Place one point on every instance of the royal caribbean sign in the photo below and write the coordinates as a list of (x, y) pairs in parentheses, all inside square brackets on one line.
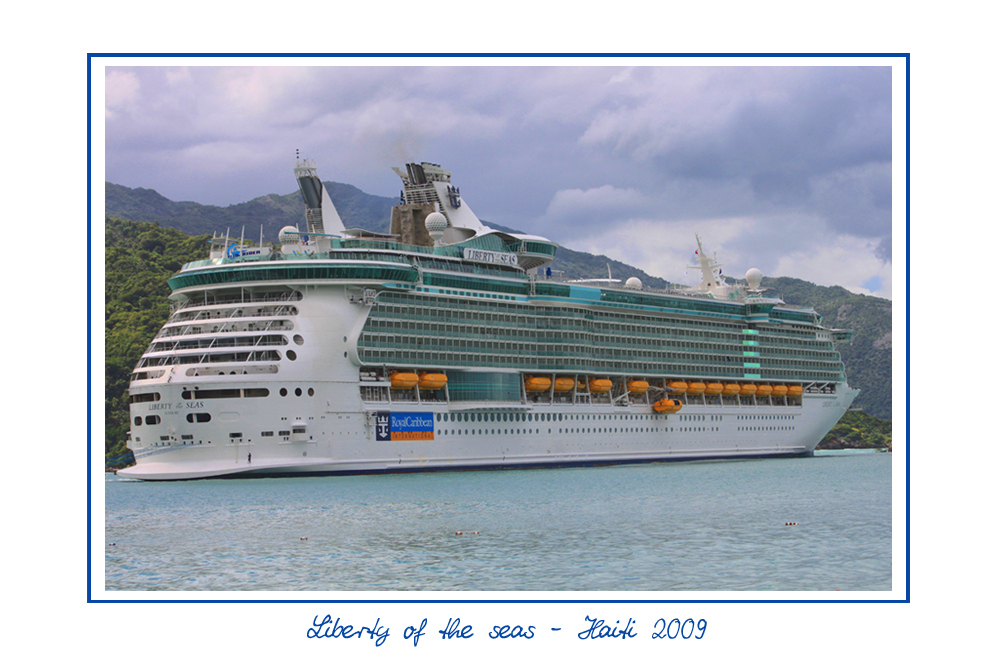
[(404, 426), (490, 256)]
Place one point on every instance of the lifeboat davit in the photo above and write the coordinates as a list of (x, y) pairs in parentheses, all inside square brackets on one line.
[(638, 387), (748, 390), (779, 390), (433, 380), (764, 390), (714, 388), (600, 386), (678, 387), (535, 384), (401, 380), (667, 405), (697, 388), (731, 389), (564, 385)]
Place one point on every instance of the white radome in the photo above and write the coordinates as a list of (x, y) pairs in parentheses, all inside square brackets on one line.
[(633, 283), (753, 278), (436, 222), (288, 234)]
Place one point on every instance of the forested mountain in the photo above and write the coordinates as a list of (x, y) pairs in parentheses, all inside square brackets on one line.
[(140, 256), (138, 259)]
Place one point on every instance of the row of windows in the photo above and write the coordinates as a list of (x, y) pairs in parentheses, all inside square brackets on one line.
[(214, 343), (295, 272), (438, 309), (194, 328), (535, 417), (224, 357), (635, 365), (213, 312), (487, 355), (382, 332), (428, 312)]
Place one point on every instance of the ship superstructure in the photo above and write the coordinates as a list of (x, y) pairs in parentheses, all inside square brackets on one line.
[(443, 345)]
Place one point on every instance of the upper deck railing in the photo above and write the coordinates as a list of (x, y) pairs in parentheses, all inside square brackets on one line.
[(486, 242)]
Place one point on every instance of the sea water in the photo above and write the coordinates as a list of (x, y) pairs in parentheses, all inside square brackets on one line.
[(819, 523)]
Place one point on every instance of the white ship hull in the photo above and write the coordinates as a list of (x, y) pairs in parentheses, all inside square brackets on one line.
[(341, 433)]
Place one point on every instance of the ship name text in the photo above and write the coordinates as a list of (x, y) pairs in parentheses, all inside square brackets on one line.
[(490, 256), (162, 407)]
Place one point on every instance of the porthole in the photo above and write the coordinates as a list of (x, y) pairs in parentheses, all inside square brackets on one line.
[(138, 421), (290, 354), (298, 391), (283, 392), (311, 391), (298, 339)]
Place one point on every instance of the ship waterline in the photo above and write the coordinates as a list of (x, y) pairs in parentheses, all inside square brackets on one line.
[(444, 346)]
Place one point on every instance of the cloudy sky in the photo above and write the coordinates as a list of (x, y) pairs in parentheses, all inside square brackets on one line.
[(785, 168)]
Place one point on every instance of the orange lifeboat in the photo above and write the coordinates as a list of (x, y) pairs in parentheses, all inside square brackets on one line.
[(795, 391), (433, 380), (764, 390), (731, 389), (564, 385), (697, 388), (779, 390), (401, 380), (678, 387), (600, 386), (534, 384), (714, 388), (748, 390), (638, 387), (668, 405)]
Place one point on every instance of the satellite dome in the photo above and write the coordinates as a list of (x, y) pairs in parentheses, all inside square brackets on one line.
[(753, 278), (436, 222), (633, 283), (288, 234)]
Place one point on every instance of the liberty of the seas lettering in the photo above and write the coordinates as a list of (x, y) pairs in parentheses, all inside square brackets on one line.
[(451, 630), (332, 629), (508, 632), (598, 630)]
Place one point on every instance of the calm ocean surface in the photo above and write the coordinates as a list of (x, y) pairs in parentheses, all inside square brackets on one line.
[(661, 527)]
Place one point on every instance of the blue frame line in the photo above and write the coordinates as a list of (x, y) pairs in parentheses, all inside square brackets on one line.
[(92, 56)]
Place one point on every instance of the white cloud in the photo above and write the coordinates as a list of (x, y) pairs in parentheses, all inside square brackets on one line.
[(612, 205), (767, 164), (666, 250), (120, 90), (847, 261)]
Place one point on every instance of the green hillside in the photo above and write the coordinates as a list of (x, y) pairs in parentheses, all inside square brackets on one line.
[(859, 430), (868, 357), (138, 259)]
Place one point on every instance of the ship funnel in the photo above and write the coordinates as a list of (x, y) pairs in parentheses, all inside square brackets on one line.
[(320, 211)]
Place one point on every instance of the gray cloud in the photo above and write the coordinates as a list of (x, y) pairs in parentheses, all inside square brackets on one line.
[(568, 152)]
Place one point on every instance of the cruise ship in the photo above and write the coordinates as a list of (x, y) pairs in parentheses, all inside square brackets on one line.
[(448, 345)]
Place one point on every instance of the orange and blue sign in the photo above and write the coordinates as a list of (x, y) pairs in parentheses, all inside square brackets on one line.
[(404, 426)]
